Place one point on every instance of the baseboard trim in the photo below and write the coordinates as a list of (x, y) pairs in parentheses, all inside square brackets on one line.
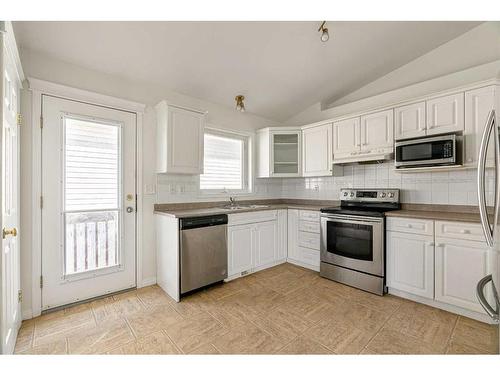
[(147, 282), (27, 314), (302, 264), (443, 306)]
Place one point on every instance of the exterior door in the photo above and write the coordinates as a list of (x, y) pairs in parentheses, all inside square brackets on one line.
[(88, 201), (10, 306)]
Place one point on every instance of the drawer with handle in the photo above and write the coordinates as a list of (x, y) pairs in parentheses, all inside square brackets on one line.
[(460, 230), (309, 240), (309, 215), (417, 226), (309, 226), (309, 256)]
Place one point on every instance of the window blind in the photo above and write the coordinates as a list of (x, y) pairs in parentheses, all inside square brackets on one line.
[(224, 163), (92, 165)]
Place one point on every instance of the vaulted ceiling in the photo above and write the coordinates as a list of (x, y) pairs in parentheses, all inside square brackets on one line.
[(280, 67)]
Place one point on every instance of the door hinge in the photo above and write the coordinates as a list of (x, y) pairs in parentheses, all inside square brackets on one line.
[(19, 296), (19, 119), (41, 122), (41, 282), (41, 202)]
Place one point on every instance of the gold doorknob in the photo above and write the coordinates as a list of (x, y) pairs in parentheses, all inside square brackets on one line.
[(7, 232)]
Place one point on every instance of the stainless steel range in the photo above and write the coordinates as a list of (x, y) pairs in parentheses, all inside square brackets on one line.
[(353, 238)]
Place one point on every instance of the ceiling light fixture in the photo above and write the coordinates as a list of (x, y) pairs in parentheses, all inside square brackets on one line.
[(324, 32), (240, 106)]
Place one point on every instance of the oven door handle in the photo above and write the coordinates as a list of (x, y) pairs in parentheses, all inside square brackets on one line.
[(351, 218)]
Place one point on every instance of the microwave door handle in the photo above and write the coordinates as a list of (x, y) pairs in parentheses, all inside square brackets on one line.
[(481, 172)]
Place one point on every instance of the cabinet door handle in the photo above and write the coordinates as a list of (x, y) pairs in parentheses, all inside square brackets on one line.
[(439, 245), (465, 231), (409, 226)]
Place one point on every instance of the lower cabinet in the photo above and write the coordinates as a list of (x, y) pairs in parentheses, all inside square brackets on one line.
[(410, 263), (256, 245), (459, 266), (444, 265), (241, 244), (303, 238)]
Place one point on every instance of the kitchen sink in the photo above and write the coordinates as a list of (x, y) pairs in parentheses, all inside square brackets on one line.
[(244, 207)]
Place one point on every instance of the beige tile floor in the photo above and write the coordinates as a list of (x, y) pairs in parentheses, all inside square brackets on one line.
[(285, 309)]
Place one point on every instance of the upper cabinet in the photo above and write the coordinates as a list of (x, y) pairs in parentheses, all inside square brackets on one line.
[(346, 138), (279, 152), (478, 104), (317, 151), (409, 121), (445, 114), (368, 137), (435, 116), (179, 137), (377, 131)]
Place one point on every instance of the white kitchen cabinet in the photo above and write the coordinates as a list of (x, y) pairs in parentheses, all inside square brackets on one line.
[(410, 263), (241, 244), (478, 104), (279, 152), (377, 131), (445, 114), (180, 138), (304, 238), (409, 121), (282, 235), (317, 153), (293, 234), (346, 139), (459, 266), (266, 243), (256, 240)]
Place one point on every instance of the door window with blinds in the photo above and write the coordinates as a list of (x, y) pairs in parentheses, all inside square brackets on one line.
[(91, 190), (226, 163)]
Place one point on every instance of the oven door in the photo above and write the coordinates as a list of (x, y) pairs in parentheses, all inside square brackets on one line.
[(353, 242)]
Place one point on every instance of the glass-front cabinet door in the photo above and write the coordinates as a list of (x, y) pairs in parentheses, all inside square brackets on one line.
[(285, 147)]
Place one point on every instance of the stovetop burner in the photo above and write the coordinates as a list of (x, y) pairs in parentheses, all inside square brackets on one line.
[(366, 202)]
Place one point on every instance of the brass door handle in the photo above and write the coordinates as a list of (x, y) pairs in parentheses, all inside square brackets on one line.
[(7, 232)]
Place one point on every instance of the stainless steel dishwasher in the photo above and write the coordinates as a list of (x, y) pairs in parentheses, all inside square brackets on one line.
[(203, 251)]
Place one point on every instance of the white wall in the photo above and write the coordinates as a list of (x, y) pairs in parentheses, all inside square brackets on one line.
[(43, 67), (472, 57)]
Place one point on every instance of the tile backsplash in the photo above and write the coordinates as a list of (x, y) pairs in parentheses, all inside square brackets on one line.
[(185, 188), (453, 187)]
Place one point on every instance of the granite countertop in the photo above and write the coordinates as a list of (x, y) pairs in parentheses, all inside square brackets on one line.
[(416, 211), (439, 212), (201, 209)]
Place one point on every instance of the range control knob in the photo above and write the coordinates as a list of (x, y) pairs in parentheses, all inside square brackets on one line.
[(391, 195), (382, 194), (352, 194), (345, 193)]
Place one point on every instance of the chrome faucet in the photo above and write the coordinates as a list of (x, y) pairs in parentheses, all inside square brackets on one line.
[(232, 201)]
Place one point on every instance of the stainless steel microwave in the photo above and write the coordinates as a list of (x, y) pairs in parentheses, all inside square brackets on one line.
[(429, 151)]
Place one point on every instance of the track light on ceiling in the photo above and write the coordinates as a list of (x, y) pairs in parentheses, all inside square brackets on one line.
[(324, 32), (240, 106)]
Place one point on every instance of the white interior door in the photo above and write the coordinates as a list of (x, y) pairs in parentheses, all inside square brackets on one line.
[(10, 317), (88, 201)]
